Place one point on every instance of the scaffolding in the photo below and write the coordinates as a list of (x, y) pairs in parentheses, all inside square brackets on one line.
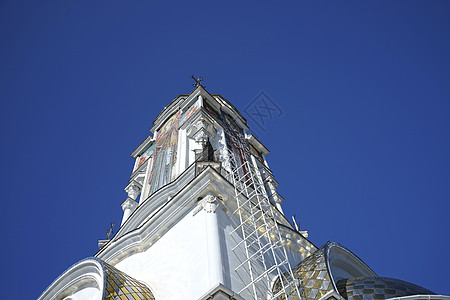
[(260, 241)]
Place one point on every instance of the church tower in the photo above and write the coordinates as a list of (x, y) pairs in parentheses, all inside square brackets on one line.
[(203, 220)]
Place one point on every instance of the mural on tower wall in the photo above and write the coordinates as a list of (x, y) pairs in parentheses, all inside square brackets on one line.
[(144, 156), (162, 159), (234, 135), (162, 155)]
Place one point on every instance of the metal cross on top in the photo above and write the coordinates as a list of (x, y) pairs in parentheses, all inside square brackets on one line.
[(197, 81)]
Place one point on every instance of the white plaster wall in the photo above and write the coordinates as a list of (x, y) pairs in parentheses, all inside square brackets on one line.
[(231, 259), (176, 266), (297, 252), (183, 149), (192, 145)]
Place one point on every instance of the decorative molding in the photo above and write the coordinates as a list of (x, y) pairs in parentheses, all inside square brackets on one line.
[(201, 130), (133, 189), (209, 203), (257, 144), (129, 203), (142, 147), (86, 273), (201, 136), (154, 215)]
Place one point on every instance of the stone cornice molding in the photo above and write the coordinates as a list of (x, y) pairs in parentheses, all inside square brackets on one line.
[(150, 205), (231, 110), (182, 102), (139, 172), (257, 144), (88, 272), (156, 215), (142, 147)]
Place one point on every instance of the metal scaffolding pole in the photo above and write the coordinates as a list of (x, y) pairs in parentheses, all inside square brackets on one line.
[(261, 240)]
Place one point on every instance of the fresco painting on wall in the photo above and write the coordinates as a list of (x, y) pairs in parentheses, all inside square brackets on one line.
[(188, 114), (143, 158), (164, 155), (234, 135)]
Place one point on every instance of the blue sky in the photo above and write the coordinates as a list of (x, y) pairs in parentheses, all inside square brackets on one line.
[(361, 149)]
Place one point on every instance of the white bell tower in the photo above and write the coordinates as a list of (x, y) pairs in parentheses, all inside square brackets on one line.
[(203, 220), (208, 220)]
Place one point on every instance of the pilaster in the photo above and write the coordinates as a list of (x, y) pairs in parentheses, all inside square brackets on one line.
[(130, 204), (209, 205)]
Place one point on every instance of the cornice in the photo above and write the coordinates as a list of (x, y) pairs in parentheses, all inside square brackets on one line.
[(166, 207), (142, 147), (257, 144), (89, 270), (158, 213), (183, 102)]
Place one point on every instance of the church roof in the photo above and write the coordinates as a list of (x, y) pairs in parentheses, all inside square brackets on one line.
[(119, 284), (333, 269), (378, 288), (183, 100), (312, 273), (109, 282)]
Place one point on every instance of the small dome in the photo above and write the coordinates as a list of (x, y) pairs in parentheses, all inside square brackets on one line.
[(335, 269), (119, 284), (317, 273), (378, 288)]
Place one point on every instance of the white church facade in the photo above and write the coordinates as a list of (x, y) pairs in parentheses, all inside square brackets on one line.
[(203, 220)]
